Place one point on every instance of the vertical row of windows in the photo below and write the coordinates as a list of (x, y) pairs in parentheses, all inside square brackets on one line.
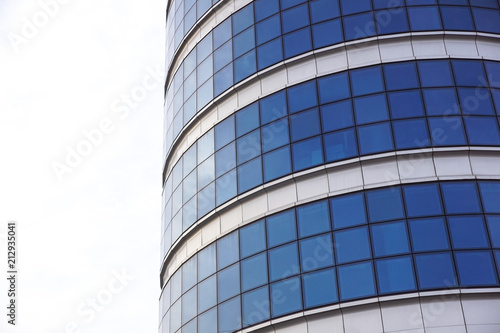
[(384, 241)]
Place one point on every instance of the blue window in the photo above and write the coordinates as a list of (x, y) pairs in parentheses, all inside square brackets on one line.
[(482, 131), (484, 3), (475, 101), (340, 145), (248, 147), (375, 138), (379, 4), (435, 271), (286, 297), (230, 315), (205, 70), (358, 26), (351, 7), (313, 219), (274, 135), (297, 42), (281, 228), (366, 80), (468, 72), (356, 280), (496, 98), (255, 306), (401, 76), (175, 285), (406, 104), (227, 250), (370, 109), (468, 232), (228, 282), (435, 73), (206, 200), (320, 288), (390, 238), (245, 66), (352, 245), (348, 210), (189, 160), (395, 275), (207, 322), (175, 313), (269, 53), (333, 88), (223, 79), (207, 294), (327, 33), (277, 163), (494, 228), (190, 327), (225, 187), (490, 193), (411, 133), (475, 268), (203, 6), (290, 3), (384, 204), (422, 200), (323, 10), (222, 33), (189, 187), (335, 116), (205, 146), (492, 70), (204, 48), (295, 18), (205, 93), (424, 18), (305, 124), (225, 159), (247, 119), (307, 153), (486, 20), (456, 18), (460, 198), (316, 252), (254, 272), (249, 175), (252, 239), (189, 214), (447, 131), (189, 63), (265, 8), (242, 19), (389, 22), (303, 96), (429, 234), (188, 310), (268, 29), (283, 261), (273, 107), (189, 274), (244, 42)]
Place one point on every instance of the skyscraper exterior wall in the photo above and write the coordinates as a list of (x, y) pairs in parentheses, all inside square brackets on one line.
[(331, 166)]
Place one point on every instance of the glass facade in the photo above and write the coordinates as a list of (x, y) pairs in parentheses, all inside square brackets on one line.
[(384, 238)]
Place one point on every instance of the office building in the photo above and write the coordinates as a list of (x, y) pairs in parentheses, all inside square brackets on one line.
[(331, 166)]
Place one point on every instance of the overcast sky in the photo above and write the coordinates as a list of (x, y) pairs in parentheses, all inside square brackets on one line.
[(81, 108)]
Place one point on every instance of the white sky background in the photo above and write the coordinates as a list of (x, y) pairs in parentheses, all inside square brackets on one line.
[(103, 216)]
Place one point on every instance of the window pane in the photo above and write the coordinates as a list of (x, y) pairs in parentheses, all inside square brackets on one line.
[(277, 164), (324, 9), (249, 175), (222, 33), (269, 53), (494, 228), (482, 131), (206, 200), (336, 115), (352, 245), (189, 270), (227, 250), (304, 124), (175, 286), (207, 294), (395, 275), (468, 232), (333, 87), (460, 198), (225, 160), (370, 109), (411, 134), (252, 239), (424, 18), (340, 145), (244, 42), (435, 73), (486, 20), (320, 288), (295, 18), (281, 228), (223, 79), (351, 7), (401, 76), (254, 272), (316, 252), (283, 262), (206, 173), (175, 314), (429, 234), (490, 193), (188, 310), (303, 96), (268, 29), (356, 280), (468, 72), (245, 66), (228, 282), (255, 306), (189, 214), (393, 20), (297, 42), (224, 133), (348, 210), (230, 315), (223, 56), (390, 238), (242, 19), (476, 101), (286, 297), (248, 147), (273, 107), (313, 219), (441, 102), (275, 135), (307, 153), (492, 70), (353, 23), (406, 104), (206, 146), (375, 138), (226, 187), (475, 268), (384, 204), (447, 131), (265, 8), (207, 322), (327, 33), (422, 200), (435, 271)]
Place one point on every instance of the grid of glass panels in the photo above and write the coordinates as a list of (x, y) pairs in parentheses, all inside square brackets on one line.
[(416, 237), (268, 31), (397, 106)]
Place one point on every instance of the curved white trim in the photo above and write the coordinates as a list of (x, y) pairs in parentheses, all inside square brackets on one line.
[(395, 168)]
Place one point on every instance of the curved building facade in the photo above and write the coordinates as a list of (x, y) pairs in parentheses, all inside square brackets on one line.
[(331, 166)]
